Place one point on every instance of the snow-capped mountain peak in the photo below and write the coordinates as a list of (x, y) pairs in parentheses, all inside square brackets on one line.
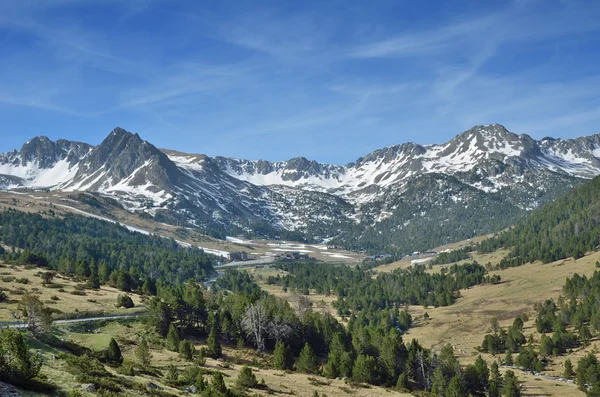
[(484, 169)]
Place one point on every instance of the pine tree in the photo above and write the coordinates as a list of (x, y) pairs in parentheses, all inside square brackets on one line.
[(568, 369), (493, 389), (508, 360), (438, 381), (172, 341), (402, 383), (200, 383), (143, 353), (214, 346), (17, 363), (246, 377), (307, 361), (217, 386), (346, 364), (511, 385), (365, 369), (455, 388), (495, 372), (94, 280), (585, 335), (282, 356), (113, 352), (186, 349)]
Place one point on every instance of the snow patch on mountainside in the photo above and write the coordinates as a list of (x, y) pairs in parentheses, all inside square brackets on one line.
[(34, 176)]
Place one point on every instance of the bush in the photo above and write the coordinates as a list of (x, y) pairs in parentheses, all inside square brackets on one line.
[(246, 377), (78, 292), (124, 301), (22, 280), (17, 364)]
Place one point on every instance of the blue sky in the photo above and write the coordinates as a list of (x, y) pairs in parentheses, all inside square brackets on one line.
[(328, 80)]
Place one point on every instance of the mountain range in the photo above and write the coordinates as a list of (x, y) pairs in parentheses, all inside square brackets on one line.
[(400, 198)]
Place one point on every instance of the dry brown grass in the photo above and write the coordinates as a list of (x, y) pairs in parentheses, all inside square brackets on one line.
[(465, 323), (279, 383), (98, 301)]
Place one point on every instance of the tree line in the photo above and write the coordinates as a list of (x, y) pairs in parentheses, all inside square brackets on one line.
[(85, 247)]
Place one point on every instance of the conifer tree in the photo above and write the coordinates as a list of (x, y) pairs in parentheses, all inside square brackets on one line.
[(402, 383), (282, 356), (455, 388), (511, 385), (93, 281), (143, 353), (493, 389), (365, 369), (217, 386), (186, 349), (173, 339), (246, 377), (214, 346), (307, 361), (568, 369), (113, 352), (438, 381)]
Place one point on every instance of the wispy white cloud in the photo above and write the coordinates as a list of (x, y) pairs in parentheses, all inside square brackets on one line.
[(235, 78)]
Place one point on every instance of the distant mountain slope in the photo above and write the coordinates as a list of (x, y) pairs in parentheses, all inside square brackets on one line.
[(401, 198), (567, 227)]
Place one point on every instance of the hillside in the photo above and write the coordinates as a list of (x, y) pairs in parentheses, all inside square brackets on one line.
[(567, 227), (393, 199)]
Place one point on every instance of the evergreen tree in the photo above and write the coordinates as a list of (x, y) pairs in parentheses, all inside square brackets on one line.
[(508, 360), (307, 361), (124, 301), (493, 389), (173, 339), (246, 377), (455, 388), (143, 353), (186, 349), (402, 383), (214, 345), (594, 391), (346, 364), (200, 383), (438, 381), (17, 364), (511, 385), (585, 335), (282, 357), (217, 386), (568, 373), (93, 281), (365, 369), (113, 352)]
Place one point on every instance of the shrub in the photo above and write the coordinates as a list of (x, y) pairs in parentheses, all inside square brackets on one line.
[(78, 292), (246, 377), (17, 364), (124, 301), (22, 280)]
